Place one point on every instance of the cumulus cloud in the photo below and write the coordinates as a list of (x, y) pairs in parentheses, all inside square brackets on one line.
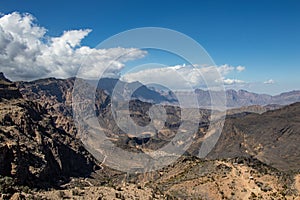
[(26, 52), (270, 81), (184, 76), (225, 69), (229, 81), (240, 68)]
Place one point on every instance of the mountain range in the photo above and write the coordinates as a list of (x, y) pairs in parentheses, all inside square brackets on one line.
[(256, 156), (233, 99)]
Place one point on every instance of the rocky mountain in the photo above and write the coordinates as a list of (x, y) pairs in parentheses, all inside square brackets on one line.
[(33, 150), (245, 98), (55, 96), (236, 99), (271, 137), (61, 91), (256, 157), (8, 90), (138, 91)]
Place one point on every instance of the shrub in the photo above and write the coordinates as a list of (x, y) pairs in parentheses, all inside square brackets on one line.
[(7, 185)]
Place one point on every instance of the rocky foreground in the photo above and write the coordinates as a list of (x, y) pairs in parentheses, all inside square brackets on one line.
[(189, 178)]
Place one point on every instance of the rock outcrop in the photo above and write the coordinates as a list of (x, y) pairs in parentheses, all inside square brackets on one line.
[(8, 90), (34, 150)]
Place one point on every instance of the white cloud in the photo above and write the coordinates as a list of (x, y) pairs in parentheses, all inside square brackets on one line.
[(270, 81), (229, 81), (26, 52), (225, 69), (240, 68), (184, 76)]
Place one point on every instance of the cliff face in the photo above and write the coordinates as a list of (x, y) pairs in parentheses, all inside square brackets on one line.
[(34, 150), (8, 90), (55, 95)]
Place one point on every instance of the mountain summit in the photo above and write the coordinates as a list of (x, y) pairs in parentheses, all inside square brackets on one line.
[(8, 90), (3, 78)]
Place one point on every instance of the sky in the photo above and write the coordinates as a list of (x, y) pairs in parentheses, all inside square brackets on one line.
[(254, 44)]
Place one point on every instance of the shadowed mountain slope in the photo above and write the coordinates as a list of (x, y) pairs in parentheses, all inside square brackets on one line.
[(272, 137)]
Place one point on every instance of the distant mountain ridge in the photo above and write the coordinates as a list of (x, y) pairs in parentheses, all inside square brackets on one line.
[(159, 94), (121, 89), (155, 94), (241, 98), (245, 98)]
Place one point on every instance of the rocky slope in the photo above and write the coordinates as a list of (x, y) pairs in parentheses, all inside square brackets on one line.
[(256, 157), (34, 151), (271, 137), (239, 178), (8, 90), (55, 95)]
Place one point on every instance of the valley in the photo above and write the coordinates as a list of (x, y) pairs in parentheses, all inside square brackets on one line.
[(43, 156)]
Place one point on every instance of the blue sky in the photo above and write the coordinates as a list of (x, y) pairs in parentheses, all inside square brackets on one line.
[(263, 36)]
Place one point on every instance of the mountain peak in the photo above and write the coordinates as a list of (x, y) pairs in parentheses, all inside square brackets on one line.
[(3, 78), (8, 89)]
